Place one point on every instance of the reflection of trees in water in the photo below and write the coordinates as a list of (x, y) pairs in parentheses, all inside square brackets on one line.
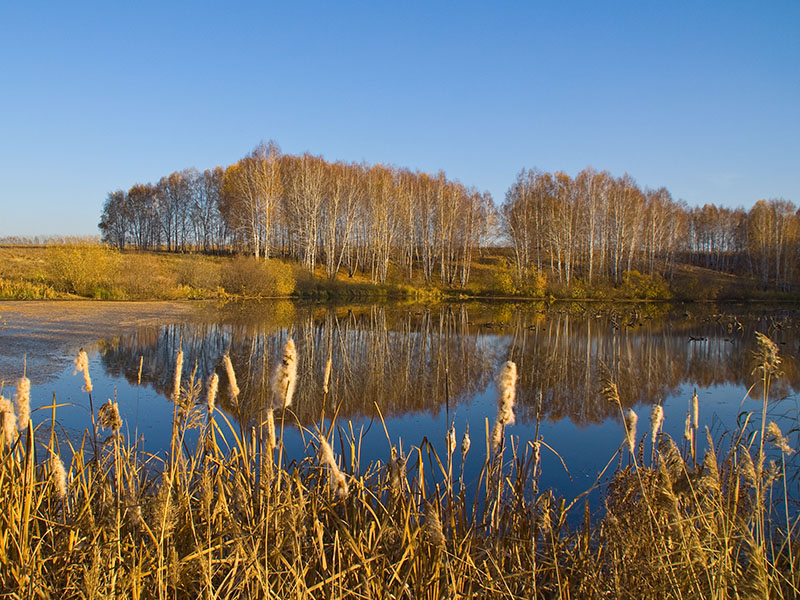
[(410, 359), (561, 356)]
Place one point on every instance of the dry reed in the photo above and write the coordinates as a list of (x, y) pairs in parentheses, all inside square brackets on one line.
[(218, 525)]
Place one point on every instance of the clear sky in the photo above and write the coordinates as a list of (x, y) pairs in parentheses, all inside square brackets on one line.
[(700, 97)]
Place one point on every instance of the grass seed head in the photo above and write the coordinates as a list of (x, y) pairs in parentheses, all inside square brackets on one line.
[(775, 436), (766, 356)]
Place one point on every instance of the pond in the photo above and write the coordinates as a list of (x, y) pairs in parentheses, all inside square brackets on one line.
[(404, 373)]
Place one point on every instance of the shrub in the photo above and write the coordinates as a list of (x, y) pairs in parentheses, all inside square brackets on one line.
[(198, 272), (645, 287), (143, 276), (83, 269), (248, 276)]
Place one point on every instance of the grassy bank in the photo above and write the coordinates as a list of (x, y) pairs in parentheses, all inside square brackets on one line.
[(93, 271), (232, 518)]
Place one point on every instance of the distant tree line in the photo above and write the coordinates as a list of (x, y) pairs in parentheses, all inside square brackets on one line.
[(345, 216), (595, 226), (363, 218)]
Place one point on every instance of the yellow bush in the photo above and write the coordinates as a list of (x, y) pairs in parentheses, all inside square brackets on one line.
[(83, 269), (248, 276)]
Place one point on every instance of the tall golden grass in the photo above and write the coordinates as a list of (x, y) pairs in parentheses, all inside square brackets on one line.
[(227, 519)]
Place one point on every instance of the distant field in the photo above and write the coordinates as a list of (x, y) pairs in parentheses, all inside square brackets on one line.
[(93, 271)]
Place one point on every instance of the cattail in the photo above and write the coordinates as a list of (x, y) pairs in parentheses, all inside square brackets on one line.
[(139, 376), (108, 416), (465, 443), (497, 437), (213, 387), (22, 399), (231, 376), (630, 429), (433, 526), (507, 389), (695, 410), (327, 378), (271, 428), (397, 472), (451, 440), (507, 386), (285, 377), (656, 419), (82, 365), (687, 427), (58, 476), (775, 436), (176, 390), (338, 482), (8, 421)]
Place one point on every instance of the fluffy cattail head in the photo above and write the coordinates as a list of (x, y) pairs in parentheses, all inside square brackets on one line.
[(271, 429), (22, 399), (58, 476), (108, 416), (8, 421), (507, 389), (497, 437), (656, 419), (695, 410), (451, 440), (687, 427), (433, 527), (234, 388), (465, 443), (139, 375), (211, 397), (176, 389), (327, 378), (775, 436), (338, 481), (631, 419), (397, 472), (82, 365), (285, 377)]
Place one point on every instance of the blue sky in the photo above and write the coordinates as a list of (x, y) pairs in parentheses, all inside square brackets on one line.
[(700, 97)]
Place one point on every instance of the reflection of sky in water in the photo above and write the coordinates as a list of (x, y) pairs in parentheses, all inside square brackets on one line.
[(586, 448)]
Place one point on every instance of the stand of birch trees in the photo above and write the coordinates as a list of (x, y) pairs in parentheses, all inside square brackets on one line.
[(350, 218)]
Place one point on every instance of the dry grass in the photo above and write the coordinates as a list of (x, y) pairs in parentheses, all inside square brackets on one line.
[(230, 518)]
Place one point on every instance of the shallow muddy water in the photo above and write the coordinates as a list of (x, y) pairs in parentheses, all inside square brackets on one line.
[(410, 371)]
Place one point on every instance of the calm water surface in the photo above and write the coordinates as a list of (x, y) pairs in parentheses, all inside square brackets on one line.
[(423, 368)]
